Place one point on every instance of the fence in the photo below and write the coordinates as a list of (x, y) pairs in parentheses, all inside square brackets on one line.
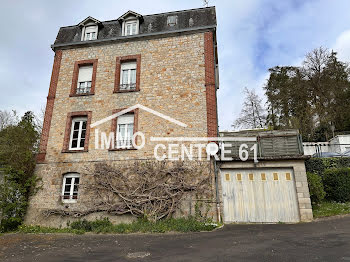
[(269, 143)]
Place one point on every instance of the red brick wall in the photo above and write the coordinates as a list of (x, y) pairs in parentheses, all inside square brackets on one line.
[(212, 122), (49, 106)]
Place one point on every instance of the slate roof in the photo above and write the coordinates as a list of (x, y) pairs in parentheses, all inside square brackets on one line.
[(187, 20)]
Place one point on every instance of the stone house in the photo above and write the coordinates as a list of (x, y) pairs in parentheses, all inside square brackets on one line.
[(164, 62), (156, 75)]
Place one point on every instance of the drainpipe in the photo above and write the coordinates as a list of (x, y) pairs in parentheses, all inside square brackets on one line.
[(216, 170), (218, 210)]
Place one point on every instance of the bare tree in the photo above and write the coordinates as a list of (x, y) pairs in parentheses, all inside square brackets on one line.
[(7, 118), (253, 113)]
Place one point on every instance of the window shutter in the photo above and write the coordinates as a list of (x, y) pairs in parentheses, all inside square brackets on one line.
[(126, 119), (91, 29), (128, 65), (85, 73)]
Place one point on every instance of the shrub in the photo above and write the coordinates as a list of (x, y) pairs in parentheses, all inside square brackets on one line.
[(97, 226), (317, 193), (337, 184), (319, 165), (143, 225)]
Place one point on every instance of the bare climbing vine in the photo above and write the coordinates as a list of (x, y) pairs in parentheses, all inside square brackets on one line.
[(144, 189)]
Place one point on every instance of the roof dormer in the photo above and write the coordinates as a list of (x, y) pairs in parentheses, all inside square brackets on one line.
[(130, 23), (89, 29)]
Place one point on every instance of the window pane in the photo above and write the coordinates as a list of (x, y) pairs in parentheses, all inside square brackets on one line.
[(82, 142), (134, 28), (76, 182), (84, 125), (83, 134), (74, 143), (128, 29), (68, 181), (67, 189), (133, 76), (130, 131), (75, 134), (125, 76), (76, 125)]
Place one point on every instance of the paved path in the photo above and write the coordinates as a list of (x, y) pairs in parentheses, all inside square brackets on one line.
[(326, 240)]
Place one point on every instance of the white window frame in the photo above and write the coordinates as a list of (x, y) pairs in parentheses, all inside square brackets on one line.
[(92, 28), (87, 84), (71, 191), (128, 22), (125, 120), (74, 120), (128, 66)]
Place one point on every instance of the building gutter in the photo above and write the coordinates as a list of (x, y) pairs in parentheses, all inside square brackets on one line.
[(130, 38)]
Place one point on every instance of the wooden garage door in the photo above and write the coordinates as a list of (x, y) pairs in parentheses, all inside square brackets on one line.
[(259, 195)]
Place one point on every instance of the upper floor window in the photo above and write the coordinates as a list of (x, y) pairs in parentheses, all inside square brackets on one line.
[(131, 27), (70, 187), (125, 130), (172, 20), (128, 76), (127, 73), (78, 133), (89, 28), (90, 33), (84, 79)]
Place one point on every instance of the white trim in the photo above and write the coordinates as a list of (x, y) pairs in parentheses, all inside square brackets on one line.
[(71, 190), (74, 120), (89, 29), (130, 21), (124, 141)]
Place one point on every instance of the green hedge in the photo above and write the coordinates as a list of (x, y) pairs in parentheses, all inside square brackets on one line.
[(337, 184), (317, 193), (319, 165)]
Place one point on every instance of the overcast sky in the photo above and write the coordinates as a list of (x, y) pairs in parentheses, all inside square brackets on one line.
[(253, 35)]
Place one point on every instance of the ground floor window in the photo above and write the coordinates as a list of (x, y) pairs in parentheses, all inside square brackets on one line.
[(70, 187)]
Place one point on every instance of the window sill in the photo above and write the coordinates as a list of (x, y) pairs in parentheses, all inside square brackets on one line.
[(125, 91), (74, 151), (75, 95)]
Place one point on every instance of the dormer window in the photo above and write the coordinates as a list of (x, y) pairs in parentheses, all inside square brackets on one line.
[(89, 29), (90, 33), (131, 28), (130, 22)]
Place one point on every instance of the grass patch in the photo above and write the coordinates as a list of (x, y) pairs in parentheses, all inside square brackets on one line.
[(38, 229), (145, 226), (190, 224), (326, 209)]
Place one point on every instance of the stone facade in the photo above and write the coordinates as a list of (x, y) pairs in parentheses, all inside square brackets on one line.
[(173, 75), (302, 187)]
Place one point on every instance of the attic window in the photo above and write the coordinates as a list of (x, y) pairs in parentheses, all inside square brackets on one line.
[(172, 20), (131, 27), (90, 33)]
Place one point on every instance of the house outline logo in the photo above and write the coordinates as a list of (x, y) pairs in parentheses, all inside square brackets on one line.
[(147, 109)]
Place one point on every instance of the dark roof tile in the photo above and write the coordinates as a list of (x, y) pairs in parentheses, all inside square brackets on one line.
[(157, 23)]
